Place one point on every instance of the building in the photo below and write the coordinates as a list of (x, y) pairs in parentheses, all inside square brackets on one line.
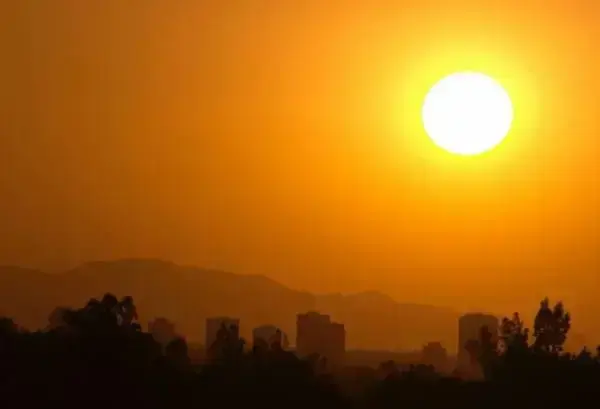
[(469, 329), (267, 335), (310, 328), (213, 325), (433, 353), (336, 343), (317, 334)]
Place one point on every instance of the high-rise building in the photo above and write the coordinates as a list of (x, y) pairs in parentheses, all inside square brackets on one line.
[(213, 325), (469, 329), (336, 344), (268, 334), (316, 334), (310, 328), (433, 353)]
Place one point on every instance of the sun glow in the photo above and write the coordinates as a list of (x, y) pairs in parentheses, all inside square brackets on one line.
[(467, 113)]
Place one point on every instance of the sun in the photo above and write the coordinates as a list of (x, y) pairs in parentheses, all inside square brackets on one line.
[(467, 113)]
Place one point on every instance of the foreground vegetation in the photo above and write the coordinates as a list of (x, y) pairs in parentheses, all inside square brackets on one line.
[(98, 356)]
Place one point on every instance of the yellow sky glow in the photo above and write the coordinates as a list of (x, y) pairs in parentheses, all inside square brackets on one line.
[(285, 138)]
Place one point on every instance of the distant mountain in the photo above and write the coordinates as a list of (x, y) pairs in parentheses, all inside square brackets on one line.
[(188, 295), (375, 321)]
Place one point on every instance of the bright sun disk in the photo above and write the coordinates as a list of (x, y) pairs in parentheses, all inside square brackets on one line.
[(467, 113)]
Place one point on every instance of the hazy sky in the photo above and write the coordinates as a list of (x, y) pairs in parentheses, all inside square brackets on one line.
[(284, 138)]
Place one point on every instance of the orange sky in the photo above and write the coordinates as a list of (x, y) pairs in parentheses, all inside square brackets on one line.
[(283, 138)]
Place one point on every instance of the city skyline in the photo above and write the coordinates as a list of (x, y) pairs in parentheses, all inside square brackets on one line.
[(299, 204)]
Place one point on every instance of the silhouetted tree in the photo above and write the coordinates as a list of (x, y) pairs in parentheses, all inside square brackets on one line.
[(388, 369), (488, 353), (176, 352), (126, 311), (56, 319), (584, 356), (109, 301), (228, 345), (96, 356), (513, 334), (422, 372), (260, 346), (483, 354), (551, 327), (8, 326), (162, 330)]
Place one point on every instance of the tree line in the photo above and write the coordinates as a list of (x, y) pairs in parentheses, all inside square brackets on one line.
[(99, 356)]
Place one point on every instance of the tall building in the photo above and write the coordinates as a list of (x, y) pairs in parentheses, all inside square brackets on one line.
[(469, 329), (316, 334), (213, 325), (268, 334), (336, 343), (433, 353), (310, 328)]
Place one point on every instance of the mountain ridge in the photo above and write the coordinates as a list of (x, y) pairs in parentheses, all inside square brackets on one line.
[(188, 295)]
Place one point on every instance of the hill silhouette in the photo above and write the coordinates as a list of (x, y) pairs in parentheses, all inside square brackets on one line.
[(188, 295)]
